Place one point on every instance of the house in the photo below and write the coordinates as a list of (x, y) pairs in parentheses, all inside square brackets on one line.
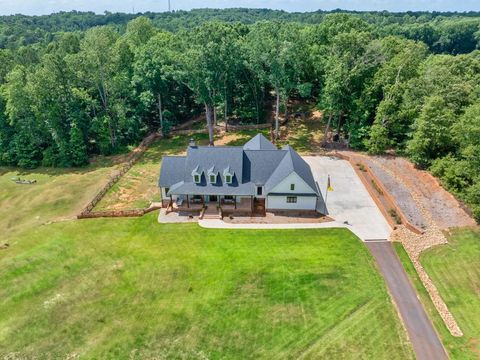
[(255, 177)]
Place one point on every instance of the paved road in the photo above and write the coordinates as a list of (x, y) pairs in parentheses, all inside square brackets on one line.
[(425, 341), (349, 201)]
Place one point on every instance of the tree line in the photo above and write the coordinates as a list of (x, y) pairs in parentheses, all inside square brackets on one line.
[(382, 81)]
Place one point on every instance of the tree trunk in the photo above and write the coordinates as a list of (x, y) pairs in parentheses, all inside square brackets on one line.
[(214, 116), (277, 113), (257, 107), (111, 128), (286, 109), (208, 115), (324, 141), (226, 110), (160, 112), (339, 124)]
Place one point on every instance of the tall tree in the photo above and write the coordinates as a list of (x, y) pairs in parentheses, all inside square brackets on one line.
[(203, 70), (272, 56), (154, 74)]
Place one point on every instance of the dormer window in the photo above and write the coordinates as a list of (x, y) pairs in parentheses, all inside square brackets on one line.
[(228, 175), (197, 176), (212, 175)]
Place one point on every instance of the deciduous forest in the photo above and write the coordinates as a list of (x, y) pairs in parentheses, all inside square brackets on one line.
[(73, 85)]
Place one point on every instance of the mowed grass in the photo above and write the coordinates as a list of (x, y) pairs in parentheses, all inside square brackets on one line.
[(135, 289), (58, 194), (455, 271)]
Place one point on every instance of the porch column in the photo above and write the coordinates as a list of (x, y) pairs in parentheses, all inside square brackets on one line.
[(235, 202), (171, 200), (188, 202), (251, 201)]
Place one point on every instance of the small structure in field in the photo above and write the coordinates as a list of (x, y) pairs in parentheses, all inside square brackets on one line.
[(24, 181)]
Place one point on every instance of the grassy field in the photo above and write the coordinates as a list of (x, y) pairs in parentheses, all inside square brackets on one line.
[(135, 289), (58, 194), (455, 270)]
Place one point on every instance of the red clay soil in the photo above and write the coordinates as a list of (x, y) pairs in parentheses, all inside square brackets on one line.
[(444, 208), (414, 189)]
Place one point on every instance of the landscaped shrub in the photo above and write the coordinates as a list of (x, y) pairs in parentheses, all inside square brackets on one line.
[(395, 216), (377, 188)]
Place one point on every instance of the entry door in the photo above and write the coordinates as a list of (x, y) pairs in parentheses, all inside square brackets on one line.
[(213, 198)]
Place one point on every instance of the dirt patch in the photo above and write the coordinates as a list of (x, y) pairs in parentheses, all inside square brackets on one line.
[(400, 193), (442, 206), (305, 135), (229, 138), (417, 193)]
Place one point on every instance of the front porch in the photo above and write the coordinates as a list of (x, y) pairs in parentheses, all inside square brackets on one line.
[(227, 204)]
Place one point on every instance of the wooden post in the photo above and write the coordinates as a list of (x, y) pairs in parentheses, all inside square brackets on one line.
[(171, 200), (235, 202), (251, 200), (188, 202)]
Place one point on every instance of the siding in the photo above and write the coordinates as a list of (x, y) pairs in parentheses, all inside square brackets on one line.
[(280, 202), (301, 187)]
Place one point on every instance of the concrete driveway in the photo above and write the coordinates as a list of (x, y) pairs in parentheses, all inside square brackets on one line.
[(349, 201)]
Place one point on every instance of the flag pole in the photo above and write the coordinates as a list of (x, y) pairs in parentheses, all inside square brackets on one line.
[(326, 195)]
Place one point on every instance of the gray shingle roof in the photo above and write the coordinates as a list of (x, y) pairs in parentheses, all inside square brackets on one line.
[(217, 158), (172, 170), (263, 166), (258, 165), (259, 142)]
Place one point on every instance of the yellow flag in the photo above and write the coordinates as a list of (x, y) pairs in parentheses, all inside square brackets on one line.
[(329, 186)]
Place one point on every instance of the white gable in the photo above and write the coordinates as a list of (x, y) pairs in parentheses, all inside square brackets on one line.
[(301, 187)]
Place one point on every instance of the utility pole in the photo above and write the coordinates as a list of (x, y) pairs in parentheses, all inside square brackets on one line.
[(169, 7)]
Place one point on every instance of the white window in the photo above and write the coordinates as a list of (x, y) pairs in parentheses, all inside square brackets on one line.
[(291, 199), (213, 178), (196, 178), (228, 179), (292, 187)]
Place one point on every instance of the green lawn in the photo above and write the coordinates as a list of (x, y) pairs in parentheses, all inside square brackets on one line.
[(455, 270), (134, 289), (58, 194)]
